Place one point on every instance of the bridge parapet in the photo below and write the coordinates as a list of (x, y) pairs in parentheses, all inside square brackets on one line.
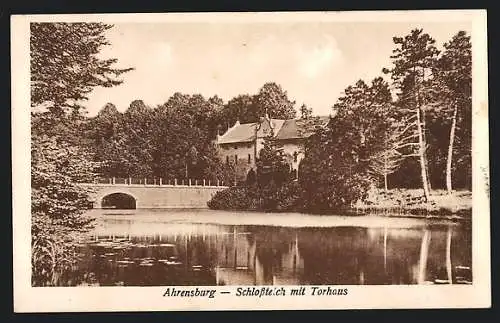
[(157, 182)]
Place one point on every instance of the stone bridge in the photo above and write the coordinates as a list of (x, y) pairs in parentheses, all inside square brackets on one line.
[(149, 196)]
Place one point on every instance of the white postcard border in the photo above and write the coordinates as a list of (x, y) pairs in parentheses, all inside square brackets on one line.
[(69, 299)]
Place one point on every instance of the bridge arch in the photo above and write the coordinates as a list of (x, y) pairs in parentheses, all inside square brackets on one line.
[(117, 199)]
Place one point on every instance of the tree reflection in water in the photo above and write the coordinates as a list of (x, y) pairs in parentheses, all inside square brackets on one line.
[(263, 255)]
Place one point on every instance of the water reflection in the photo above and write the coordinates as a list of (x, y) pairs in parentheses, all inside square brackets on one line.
[(205, 254)]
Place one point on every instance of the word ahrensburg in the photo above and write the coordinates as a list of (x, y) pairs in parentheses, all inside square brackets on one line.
[(172, 292)]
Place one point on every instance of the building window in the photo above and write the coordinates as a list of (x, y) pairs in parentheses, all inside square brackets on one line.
[(249, 146), (236, 159), (249, 159), (235, 146), (227, 160)]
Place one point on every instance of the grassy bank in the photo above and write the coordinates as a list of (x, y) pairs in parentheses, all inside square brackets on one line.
[(410, 202), (395, 202)]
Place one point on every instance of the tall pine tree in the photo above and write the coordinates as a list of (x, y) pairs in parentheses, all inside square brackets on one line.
[(413, 58)]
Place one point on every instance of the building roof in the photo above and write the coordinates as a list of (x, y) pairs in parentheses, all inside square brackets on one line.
[(289, 130), (298, 128), (244, 132), (283, 130), (266, 125)]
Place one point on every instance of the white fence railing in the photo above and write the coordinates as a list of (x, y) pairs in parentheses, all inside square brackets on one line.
[(159, 182)]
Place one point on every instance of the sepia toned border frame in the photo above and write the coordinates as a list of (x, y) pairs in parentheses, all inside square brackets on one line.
[(95, 299)]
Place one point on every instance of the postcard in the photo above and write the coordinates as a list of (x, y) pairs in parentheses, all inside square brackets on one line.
[(250, 161)]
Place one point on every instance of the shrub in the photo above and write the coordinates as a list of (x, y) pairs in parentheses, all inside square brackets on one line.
[(269, 198), (232, 198)]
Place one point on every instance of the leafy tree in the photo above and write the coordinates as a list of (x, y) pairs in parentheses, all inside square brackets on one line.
[(216, 104), (137, 108), (343, 157), (272, 99), (68, 126), (57, 205), (305, 112), (107, 122), (65, 63), (181, 126), (65, 67), (245, 108), (239, 108), (272, 173), (106, 137), (331, 174), (272, 167), (137, 132)]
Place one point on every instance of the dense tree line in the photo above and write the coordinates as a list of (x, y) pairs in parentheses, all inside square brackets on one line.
[(175, 140)]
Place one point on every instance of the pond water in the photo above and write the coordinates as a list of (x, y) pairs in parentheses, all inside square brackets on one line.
[(204, 247)]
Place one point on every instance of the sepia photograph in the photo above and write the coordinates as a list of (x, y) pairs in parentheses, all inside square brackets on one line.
[(278, 154)]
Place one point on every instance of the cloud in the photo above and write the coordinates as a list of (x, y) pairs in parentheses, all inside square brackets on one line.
[(318, 57)]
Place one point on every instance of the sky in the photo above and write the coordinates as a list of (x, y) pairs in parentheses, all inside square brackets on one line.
[(313, 62)]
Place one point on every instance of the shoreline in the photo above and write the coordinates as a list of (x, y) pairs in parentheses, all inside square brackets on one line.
[(410, 203), (168, 217)]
